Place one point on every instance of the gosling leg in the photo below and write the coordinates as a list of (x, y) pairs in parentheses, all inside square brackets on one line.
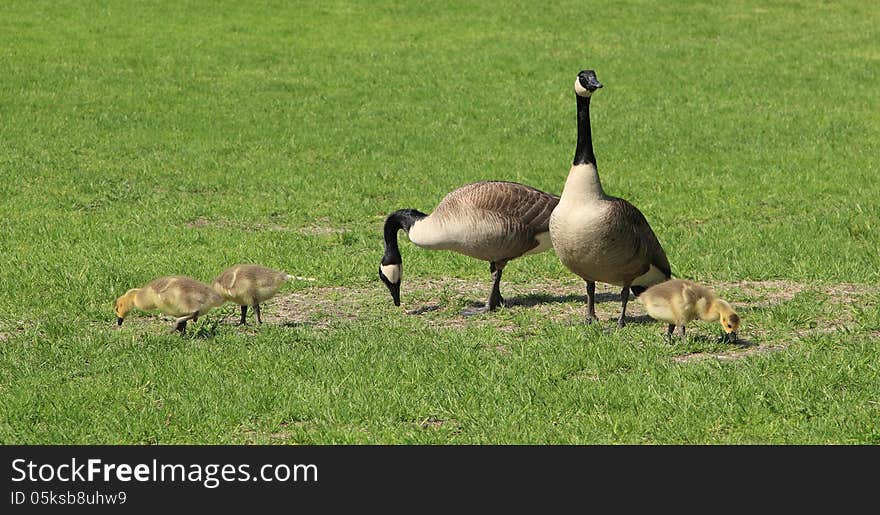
[(180, 323), (257, 311), (243, 320)]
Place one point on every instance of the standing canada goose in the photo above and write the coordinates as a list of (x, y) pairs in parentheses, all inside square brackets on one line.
[(678, 301), (493, 221), (249, 285), (599, 237), (182, 297)]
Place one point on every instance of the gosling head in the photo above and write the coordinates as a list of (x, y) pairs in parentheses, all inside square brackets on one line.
[(390, 275), (730, 324), (124, 305), (586, 83)]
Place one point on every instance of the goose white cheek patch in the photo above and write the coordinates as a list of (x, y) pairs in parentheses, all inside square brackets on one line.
[(580, 90), (392, 272)]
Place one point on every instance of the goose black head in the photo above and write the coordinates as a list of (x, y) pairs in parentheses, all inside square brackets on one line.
[(390, 275), (586, 83)]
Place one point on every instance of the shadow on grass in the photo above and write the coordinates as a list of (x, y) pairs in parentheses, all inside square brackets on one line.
[(535, 299), (296, 324), (423, 309), (741, 343)]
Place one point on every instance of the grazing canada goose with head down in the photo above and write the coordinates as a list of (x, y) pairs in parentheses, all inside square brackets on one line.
[(249, 285), (181, 297), (678, 301), (599, 237), (493, 221)]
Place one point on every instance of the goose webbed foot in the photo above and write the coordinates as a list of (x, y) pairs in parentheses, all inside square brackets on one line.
[(495, 302), (591, 302), (492, 305), (179, 327)]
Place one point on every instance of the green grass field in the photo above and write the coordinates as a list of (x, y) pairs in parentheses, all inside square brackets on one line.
[(140, 139)]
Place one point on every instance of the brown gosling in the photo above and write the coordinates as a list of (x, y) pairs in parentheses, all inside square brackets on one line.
[(249, 285), (178, 296), (679, 301)]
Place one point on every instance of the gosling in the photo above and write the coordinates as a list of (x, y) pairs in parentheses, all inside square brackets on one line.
[(249, 285), (178, 296), (678, 301)]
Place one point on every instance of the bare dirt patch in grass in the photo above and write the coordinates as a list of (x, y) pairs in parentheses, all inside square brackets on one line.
[(202, 222), (284, 432), (321, 227), (439, 423), (729, 355), (319, 307), (438, 302)]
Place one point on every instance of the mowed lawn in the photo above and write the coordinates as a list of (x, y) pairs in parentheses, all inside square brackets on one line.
[(140, 139)]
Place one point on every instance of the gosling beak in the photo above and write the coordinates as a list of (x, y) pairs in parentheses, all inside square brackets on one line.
[(119, 321), (728, 337)]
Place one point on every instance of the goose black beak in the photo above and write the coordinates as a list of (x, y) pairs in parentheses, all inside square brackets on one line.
[(119, 321), (393, 288), (594, 84)]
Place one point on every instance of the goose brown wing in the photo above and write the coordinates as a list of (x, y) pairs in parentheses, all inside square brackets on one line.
[(519, 204), (645, 241)]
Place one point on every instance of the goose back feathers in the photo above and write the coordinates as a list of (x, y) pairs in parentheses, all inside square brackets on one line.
[(177, 296), (490, 221), (247, 285)]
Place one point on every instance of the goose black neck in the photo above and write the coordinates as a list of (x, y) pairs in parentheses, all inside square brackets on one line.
[(401, 219), (583, 154)]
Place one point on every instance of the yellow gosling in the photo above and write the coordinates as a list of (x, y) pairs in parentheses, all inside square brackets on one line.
[(679, 301), (178, 296), (249, 285)]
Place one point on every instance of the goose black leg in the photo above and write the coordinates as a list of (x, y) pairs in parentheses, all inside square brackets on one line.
[(591, 302), (257, 311), (243, 320), (683, 337), (495, 298), (624, 298), (669, 331)]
